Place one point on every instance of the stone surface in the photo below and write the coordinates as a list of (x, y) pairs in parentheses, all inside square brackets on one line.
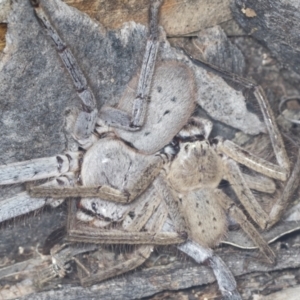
[(276, 23)]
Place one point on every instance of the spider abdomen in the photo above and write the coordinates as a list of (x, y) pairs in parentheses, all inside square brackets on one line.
[(204, 217)]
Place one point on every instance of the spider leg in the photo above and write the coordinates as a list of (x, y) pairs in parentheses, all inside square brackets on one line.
[(177, 222), (283, 171), (225, 279), (128, 238), (291, 186), (265, 107), (40, 168), (103, 191), (125, 264), (235, 177), (18, 205), (118, 118), (264, 167), (255, 163), (39, 270), (238, 215), (62, 167), (142, 94), (277, 143), (260, 183), (23, 203), (60, 256), (272, 128), (149, 212), (86, 119), (156, 216), (142, 173)]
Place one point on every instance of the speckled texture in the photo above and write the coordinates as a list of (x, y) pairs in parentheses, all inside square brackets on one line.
[(276, 25)]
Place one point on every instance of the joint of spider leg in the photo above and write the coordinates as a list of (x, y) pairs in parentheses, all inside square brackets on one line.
[(35, 3), (60, 46), (216, 140), (93, 213), (61, 268), (87, 108), (60, 182), (153, 37), (71, 177), (127, 195), (79, 179), (60, 162), (68, 268), (75, 160), (133, 127)]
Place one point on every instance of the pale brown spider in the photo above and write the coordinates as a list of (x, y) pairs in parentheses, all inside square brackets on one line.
[(135, 193)]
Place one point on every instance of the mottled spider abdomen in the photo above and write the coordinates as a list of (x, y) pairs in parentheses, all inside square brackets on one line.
[(205, 218)]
